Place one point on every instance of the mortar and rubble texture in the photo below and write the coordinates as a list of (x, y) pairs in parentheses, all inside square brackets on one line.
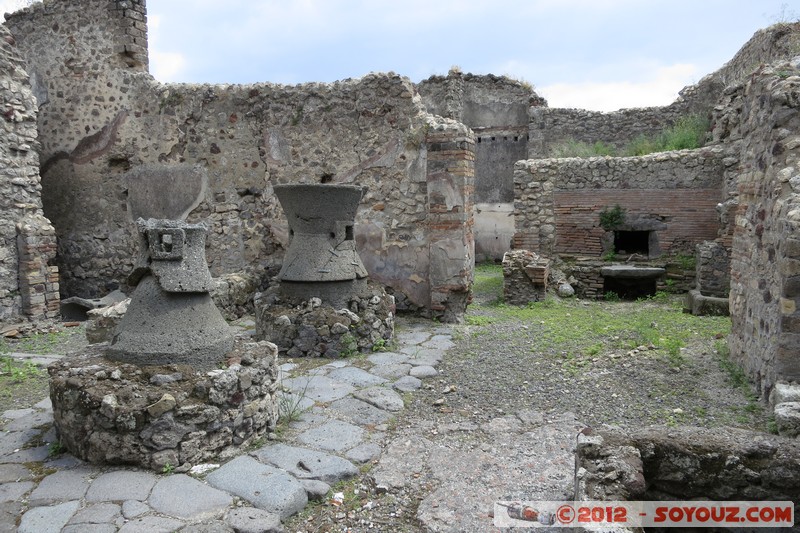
[(450, 165), (155, 415)]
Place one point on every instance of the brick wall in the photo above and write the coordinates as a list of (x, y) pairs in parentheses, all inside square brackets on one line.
[(558, 201), (689, 217)]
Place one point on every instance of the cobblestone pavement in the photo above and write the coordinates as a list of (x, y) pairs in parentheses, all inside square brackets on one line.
[(348, 407)]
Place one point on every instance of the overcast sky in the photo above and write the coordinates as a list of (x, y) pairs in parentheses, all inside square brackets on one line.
[(592, 54)]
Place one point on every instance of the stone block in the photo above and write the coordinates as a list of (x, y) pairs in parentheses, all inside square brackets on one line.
[(783, 393), (787, 417)]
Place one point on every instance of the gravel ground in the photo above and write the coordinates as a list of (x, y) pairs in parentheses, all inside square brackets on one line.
[(505, 398)]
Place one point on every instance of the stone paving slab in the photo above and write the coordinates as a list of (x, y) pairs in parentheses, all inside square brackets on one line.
[(152, 524), (391, 370), (335, 436), (48, 519), (304, 463), (318, 388), (60, 486), (184, 497), (359, 412), (13, 473), (423, 371), (97, 513), (11, 492), (251, 520), (356, 377), (336, 430), (407, 384), (381, 397), (121, 485), (387, 358), (264, 486)]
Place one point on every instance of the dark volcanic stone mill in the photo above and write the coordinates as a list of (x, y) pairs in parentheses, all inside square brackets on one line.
[(321, 260), (323, 303)]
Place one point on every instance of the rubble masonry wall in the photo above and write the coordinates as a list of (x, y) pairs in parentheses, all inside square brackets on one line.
[(104, 117)]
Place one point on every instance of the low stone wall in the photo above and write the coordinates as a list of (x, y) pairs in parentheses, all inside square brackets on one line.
[(558, 201), (29, 285), (713, 269), (167, 416), (311, 328), (661, 463), (525, 277)]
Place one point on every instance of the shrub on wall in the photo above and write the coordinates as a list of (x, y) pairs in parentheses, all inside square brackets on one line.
[(688, 133)]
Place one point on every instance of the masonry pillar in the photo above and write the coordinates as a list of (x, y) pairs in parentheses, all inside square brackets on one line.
[(451, 183)]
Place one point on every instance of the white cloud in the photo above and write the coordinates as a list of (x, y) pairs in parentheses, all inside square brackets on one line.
[(659, 88), (164, 66)]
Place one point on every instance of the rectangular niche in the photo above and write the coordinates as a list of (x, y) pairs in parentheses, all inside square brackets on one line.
[(632, 242)]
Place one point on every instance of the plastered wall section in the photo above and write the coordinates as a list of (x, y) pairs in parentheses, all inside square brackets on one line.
[(103, 123), (28, 280), (765, 261), (558, 201)]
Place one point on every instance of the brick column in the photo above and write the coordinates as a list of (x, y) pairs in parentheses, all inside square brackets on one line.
[(451, 184)]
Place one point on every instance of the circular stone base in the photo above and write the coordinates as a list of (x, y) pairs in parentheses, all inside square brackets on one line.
[(163, 416), (311, 327)]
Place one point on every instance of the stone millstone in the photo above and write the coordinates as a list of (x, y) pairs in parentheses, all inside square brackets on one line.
[(322, 245), (171, 328)]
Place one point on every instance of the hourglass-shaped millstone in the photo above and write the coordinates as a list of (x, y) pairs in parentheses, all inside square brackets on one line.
[(321, 260), (171, 318), (321, 242)]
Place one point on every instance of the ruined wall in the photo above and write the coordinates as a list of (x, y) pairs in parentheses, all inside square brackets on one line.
[(673, 194), (28, 281), (551, 126), (765, 263), (104, 122), (496, 109)]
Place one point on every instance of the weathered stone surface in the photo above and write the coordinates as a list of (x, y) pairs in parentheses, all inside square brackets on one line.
[(103, 321), (318, 388), (253, 520), (316, 490), (60, 486), (165, 192), (166, 328), (334, 436), (407, 384), (14, 491), (14, 473), (184, 497), (303, 463), (784, 392), (133, 508), (423, 371), (177, 415), (264, 486), (364, 453), (689, 462), (48, 519), (787, 417), (151, 524), (97, 513), (355, 377), (391, 370), (334, 210), (359, 412), (383, 358), (381, 397), (525, 276), (121, 485)]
